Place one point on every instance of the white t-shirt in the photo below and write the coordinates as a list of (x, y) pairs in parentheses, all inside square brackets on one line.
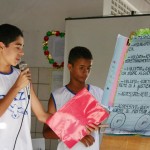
[(60, 97), (10, 121)]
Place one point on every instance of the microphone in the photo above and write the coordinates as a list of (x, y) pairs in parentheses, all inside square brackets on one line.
[(22, 66)]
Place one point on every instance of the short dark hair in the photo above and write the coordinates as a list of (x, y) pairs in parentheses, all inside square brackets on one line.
[(9, 33), (79, 52)]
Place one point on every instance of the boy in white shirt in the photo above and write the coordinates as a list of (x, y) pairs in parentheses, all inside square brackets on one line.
[(79, 65), (15, 103)]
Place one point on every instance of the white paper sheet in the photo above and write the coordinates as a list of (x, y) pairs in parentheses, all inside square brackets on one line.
[(131, 109)]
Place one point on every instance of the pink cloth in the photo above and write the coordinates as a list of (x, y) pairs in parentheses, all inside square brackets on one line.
[(69, 122)]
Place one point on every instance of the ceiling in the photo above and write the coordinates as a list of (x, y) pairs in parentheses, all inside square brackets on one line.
[(28, 13), (142, 5)]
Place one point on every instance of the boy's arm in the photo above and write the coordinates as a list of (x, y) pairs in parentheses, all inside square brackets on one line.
[(6, 101), (47, 132), (21, 82), (37, 107)]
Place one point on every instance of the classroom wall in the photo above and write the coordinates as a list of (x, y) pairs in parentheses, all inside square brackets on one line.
[(35, 18), (42, 83), (99, 34)]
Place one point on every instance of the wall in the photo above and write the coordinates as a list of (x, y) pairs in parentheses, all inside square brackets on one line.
[(42, 81), (35, 18), (101, 34)]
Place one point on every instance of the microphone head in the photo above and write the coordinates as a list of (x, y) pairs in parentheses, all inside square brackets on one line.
[(23, 65)]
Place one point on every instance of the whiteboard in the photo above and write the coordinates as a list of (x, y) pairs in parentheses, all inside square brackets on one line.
[(99, 34)]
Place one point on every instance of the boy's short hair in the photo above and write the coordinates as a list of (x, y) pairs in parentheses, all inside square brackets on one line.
[(79, 52), (9, 33)]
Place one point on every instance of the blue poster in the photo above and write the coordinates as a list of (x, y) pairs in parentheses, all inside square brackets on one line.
[(131, 96)]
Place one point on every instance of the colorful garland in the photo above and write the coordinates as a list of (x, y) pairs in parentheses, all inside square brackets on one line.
[(139, 32), (46, 51)]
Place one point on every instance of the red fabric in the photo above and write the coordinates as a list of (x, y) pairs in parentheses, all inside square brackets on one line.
[(69, 122)]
